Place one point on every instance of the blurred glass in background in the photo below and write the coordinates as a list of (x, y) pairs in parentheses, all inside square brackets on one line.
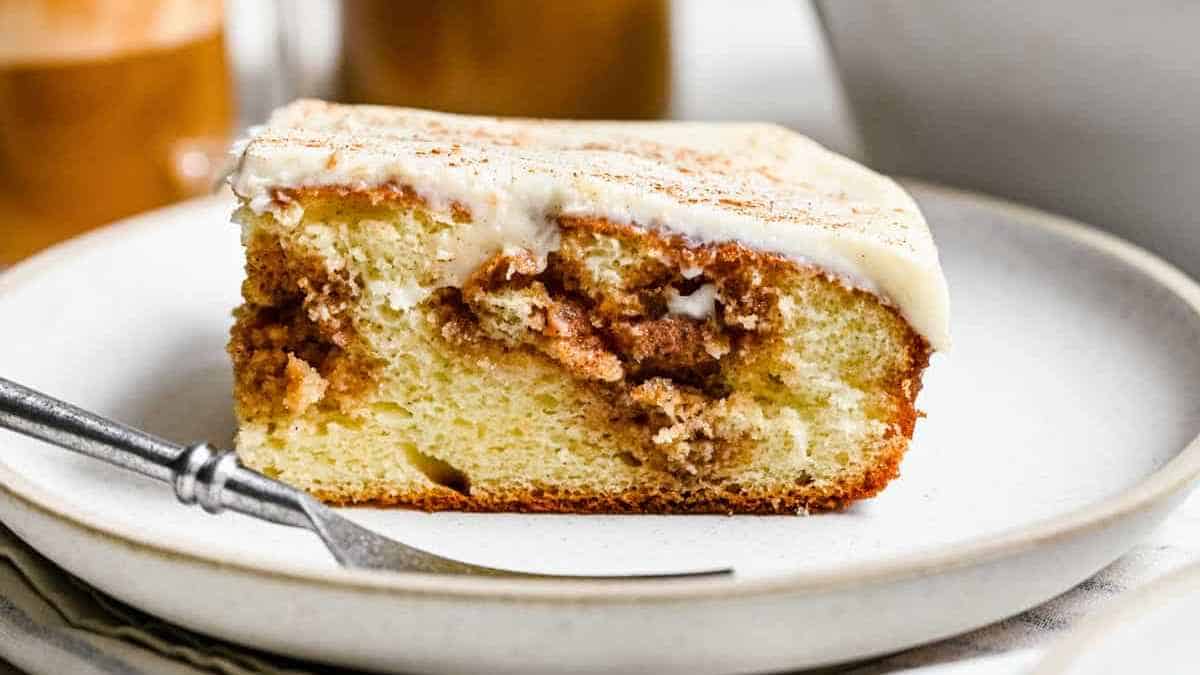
[(536, 58), (107, 108)]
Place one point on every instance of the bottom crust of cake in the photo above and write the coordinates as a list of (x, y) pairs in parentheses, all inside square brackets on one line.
[(681, 499)]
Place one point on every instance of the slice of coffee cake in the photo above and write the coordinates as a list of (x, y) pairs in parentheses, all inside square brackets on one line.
[(452, 312)]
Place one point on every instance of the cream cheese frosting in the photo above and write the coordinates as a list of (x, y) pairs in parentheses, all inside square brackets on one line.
[(758, 184)]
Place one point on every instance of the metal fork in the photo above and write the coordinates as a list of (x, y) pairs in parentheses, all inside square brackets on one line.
[(216, 481)]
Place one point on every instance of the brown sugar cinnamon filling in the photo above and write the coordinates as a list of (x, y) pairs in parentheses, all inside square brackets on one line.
[(650, 322), (292, 343), (654, 331)]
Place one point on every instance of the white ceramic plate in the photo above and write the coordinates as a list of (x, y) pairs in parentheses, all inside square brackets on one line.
[(1061, 429), (1151, 630)]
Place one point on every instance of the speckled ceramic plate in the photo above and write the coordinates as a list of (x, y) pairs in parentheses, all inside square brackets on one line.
[(1061, 429)]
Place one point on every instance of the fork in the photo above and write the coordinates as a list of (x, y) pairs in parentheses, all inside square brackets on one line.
[(216, 481)]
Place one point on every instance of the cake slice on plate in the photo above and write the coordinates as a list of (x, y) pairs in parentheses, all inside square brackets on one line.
[(454, 312)]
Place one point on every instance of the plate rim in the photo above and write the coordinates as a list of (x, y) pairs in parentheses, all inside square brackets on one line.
[(1175, 476)]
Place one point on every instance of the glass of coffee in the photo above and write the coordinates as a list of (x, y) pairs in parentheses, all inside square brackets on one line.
[(534, 58), (107, 108)]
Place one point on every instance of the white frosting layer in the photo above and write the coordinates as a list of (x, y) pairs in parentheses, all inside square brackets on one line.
[(758, 184)]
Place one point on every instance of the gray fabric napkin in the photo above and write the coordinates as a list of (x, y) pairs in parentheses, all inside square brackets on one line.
[(50, 622)]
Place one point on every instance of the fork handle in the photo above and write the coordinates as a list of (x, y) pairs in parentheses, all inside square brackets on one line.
[(200, 475)]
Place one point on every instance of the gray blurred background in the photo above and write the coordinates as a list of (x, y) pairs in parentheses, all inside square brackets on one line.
[(1089, 108)]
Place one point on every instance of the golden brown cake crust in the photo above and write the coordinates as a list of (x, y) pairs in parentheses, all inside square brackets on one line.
[(699, 500)]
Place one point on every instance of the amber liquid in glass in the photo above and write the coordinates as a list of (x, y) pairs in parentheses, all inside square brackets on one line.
[(93, 125), (536, 58)]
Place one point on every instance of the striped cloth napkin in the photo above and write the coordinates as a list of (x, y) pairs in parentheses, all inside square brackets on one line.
[(51, 622)]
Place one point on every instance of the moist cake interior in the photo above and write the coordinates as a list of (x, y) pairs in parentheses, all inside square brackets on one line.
[(630, 370)]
